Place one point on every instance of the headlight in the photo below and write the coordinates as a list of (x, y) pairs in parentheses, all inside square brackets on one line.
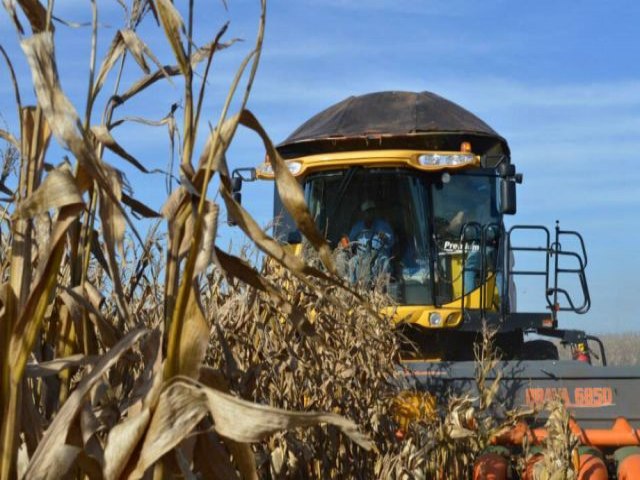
[(445, 159), (435, 319), (266, 170), (294, 167)]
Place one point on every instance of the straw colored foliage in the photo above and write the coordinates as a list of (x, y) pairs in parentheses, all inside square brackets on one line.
[(107, 363), (167, 356)]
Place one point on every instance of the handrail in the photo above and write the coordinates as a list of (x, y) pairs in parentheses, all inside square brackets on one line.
[(544, 248), (552, 289)]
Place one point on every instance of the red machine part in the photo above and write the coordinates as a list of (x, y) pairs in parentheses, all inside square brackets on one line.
[(628, 462), (621, 434), (592, 466), (493, 464)]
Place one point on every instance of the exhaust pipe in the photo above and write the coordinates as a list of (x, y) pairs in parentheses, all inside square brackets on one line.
[(628, 462)]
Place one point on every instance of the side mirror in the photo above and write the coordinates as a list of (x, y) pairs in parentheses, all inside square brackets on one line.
[(238, 176), (236, 184), (294, 237), (237, 196), (508, 180), (507, 196)]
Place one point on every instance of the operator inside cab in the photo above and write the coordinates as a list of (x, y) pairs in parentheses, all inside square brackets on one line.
[(370, 241), (418, 235)]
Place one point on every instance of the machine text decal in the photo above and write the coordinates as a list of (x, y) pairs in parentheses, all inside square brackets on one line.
[(579, 397)]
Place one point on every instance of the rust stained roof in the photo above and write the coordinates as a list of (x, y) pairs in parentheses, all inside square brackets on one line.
[(392, 114)]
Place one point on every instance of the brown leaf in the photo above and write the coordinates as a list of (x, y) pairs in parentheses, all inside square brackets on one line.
[(182, 405), (240, 269), (266, 243), (122, 441), (291, 193), (242, 454), (115, 51), (139, 50), (9, 138), (177, 413), (103, 135), (173, 24), (244, 421), (64, 121), (171, 70), (27, 327), (58, 110), (211, 459), (59, 189), (194, 338), (52, 446), (139, 207), (76, 300), (36, 14), (53, 367), (210, 227)]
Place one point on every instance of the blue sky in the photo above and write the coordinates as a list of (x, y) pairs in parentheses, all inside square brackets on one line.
[(559, 80)]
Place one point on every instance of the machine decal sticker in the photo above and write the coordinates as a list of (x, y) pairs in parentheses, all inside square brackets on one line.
[(579, 397)]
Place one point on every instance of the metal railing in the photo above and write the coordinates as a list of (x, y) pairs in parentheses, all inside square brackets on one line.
[(551, 270)]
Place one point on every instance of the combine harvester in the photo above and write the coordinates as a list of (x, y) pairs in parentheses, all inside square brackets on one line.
[(414, 188)]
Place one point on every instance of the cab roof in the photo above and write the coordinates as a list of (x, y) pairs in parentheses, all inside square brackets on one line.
[(415, 120)]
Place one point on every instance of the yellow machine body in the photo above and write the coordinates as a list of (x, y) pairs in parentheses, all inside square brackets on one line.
[(451, 313)]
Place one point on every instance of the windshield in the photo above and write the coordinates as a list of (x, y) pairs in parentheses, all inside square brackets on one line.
[(381, 222), (464, 210)]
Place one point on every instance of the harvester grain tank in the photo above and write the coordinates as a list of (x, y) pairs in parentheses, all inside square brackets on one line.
[(413, 189)]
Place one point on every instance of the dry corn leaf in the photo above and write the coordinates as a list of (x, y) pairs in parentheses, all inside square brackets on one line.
[(9, 138), (122, 442), (266, 243), (45, 457), (194, 338), (177, 413), (29, 322), (36, 14), (210, 228), (57, 109), (12, 72), (240, 269), (248, 422), (173, 24), (211, 459), (65, 458), (291, 193), (182, 405), (147, 387), (115, 51), (53, 367), (243, 456), (10, 7), (103, 135), (203, 53), (113, 221), (139, 50), (90, 302), (58, 189), (171, 70), (64, 121), (139, 207)]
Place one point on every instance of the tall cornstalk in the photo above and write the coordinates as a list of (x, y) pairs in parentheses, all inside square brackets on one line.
[(103, 346)]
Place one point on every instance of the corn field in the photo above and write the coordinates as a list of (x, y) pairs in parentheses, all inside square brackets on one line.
[(158, 354)]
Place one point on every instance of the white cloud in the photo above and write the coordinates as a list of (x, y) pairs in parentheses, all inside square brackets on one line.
[(504, 94), (421, 7)]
